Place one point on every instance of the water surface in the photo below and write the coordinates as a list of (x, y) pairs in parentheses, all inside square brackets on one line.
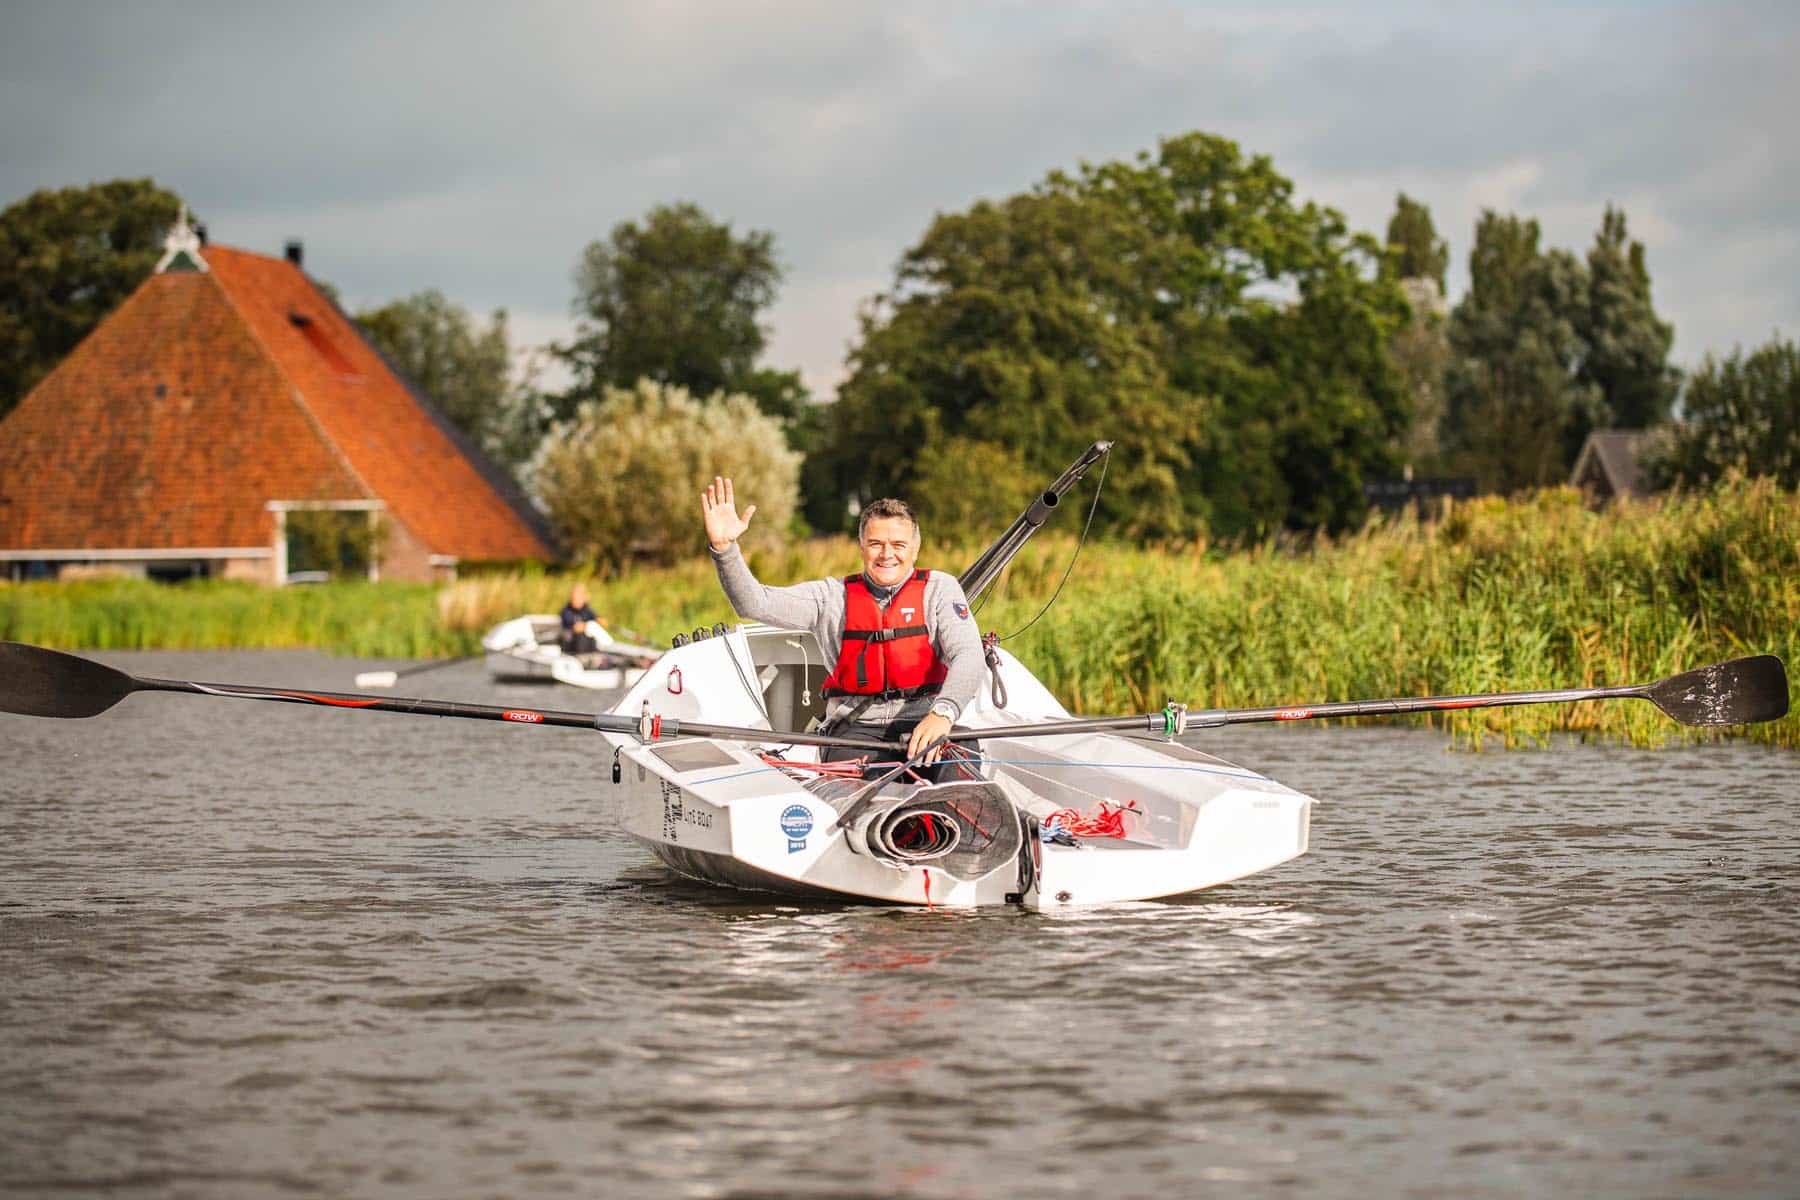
[(253, 950)]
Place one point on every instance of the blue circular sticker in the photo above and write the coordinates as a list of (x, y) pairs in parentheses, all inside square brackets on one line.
[(796, 820)]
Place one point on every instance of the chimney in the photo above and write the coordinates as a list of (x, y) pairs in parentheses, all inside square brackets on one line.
[(294, 251), (200, 232)]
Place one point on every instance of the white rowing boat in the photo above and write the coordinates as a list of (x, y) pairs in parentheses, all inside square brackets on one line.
[(1046, 822), (528, 649), (762, 817)]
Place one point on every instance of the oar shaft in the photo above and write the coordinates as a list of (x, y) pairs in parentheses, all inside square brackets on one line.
[(397, 704), (1158, 722), (675, 728), (1398, 706), (663, 728), (1147, 723)]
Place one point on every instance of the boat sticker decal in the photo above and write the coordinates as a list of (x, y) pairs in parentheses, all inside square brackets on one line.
[(520, 714), (1292, 714), (671, 797), (796, 822)]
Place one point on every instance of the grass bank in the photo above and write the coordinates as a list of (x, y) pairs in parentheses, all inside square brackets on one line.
[(1494, 595)]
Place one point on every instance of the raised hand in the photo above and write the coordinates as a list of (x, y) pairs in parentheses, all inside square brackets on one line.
[(718, 506)]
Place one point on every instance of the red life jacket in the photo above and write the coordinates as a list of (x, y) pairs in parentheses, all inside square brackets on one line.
[(880, 655)]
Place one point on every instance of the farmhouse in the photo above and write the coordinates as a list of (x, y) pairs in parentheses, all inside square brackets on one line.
[(224, 398)]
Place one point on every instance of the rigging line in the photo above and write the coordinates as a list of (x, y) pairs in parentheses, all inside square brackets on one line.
[(1064, 784), (1093, 508)]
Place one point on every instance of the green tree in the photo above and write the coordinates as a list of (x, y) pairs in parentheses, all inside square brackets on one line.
[(1514, 396), (995, 333), (1740, 414), (968, 489), (464, 367), (1421, 353), (1546, 349), (1414, 249), (678, 299), (1627, 355), (1420, 349), (68, 257), (621, 479), (1230, 341)]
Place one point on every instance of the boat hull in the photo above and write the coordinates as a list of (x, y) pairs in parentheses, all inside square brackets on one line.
[(1084, 876), (1242, 835), (722, 812)]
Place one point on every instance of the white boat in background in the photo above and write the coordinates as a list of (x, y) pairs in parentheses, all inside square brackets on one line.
[(529, 649)]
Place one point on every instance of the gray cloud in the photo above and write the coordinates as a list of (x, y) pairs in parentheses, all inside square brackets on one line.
[(477, 149)]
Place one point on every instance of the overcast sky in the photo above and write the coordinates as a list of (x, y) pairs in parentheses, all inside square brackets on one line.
[(476, 148)]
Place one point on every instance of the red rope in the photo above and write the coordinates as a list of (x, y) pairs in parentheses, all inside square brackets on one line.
[(1104, 820), (843, 768)]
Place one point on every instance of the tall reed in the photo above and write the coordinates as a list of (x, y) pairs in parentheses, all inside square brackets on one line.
[(393, 620)]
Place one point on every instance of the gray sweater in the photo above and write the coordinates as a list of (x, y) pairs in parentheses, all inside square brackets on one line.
[(818, 605)]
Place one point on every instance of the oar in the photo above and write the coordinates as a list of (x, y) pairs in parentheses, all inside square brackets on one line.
[(48, 683), (387, 679), (1743, 691)]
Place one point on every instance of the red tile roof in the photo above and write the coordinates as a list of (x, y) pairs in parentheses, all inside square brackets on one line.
[(168, 427), (268, 392)]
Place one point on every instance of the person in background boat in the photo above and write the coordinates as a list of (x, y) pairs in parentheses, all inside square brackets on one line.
[(915, 680), (577, 636)]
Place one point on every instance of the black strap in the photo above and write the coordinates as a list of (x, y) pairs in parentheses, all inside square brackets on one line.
[(929, 689), (886, 635)]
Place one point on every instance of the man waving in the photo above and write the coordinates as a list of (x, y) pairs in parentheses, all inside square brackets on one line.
[(907, 654)]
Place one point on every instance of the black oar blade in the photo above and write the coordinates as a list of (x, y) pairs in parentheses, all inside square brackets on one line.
[(47, 683), (1740, 692)]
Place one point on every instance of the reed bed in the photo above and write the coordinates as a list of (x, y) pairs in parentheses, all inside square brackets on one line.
[(1488, 595), (374, 620)]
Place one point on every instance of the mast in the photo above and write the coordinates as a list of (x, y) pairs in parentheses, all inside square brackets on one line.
[(987, 566)]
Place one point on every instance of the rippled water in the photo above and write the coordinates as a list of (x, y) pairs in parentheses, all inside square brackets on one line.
[(252, 950)]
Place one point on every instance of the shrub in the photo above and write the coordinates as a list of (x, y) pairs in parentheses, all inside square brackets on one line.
[(622, 478)]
